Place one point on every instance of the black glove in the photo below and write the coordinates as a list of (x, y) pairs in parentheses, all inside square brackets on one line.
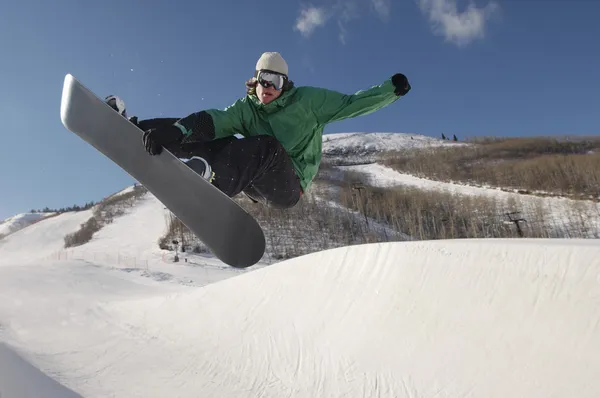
[(155, 139), (401, 83), (134, 120)]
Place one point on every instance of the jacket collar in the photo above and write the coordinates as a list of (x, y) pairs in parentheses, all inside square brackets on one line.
[(273, 106)]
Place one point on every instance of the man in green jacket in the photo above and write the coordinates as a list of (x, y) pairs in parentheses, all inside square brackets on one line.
[(281, 127)]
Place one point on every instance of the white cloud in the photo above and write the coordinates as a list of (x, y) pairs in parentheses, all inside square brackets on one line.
[(343, 11), (459, 28), (343, 32), (310, 18), (347, 12), (382, 8)]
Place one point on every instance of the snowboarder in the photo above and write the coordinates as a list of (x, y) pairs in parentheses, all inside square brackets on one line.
[(279, 155)]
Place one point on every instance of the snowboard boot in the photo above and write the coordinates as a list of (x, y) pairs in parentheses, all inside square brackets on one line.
[(117, 104), (201, 167)]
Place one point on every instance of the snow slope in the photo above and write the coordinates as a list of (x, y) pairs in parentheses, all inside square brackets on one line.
[(348, 148), (40, 239), (128, 244), (20, 221), (136, 233), (377, 142), (560, 214), (488, 318)]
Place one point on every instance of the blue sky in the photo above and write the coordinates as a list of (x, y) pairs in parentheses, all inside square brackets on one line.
[(510, 67)]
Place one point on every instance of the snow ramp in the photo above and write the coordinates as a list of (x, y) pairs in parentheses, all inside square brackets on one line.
[(464, 318), (19, 379)]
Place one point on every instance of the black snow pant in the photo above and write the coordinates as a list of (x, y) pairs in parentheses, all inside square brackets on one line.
[(258, 166)]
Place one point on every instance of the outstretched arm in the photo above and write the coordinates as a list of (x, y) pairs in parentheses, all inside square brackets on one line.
[(331, 106), (210, 124)]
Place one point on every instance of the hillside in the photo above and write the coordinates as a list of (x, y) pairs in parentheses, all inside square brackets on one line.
[(380, 283), (366, 198), (545, 166), (20, 221), (352, 148)]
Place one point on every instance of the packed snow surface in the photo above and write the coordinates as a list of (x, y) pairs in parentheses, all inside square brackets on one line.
[(19, 379), (476, 318)]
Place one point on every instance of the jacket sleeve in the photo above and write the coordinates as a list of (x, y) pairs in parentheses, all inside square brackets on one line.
[(211, 124), (331, 106)]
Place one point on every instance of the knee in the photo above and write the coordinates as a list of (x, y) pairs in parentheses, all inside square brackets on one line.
[(276, 201), (291, 201), (287, 201)]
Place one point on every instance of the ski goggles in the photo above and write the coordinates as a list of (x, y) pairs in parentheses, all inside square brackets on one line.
[(271, 79)]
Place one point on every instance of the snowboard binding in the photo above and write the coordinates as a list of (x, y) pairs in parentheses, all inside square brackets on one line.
[(117, 104), (201, 167)]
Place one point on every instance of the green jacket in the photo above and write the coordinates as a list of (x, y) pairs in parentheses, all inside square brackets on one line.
[(297, 119)]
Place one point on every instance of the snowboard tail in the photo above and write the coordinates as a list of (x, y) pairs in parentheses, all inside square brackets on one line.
[(230, 232)]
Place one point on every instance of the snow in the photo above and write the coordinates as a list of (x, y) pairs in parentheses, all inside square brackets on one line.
[(130, 243), (20, 221), (360, 147), (40, 239), (491, 318), (19, 379), (123, 191), (134, 234), (377, 142)]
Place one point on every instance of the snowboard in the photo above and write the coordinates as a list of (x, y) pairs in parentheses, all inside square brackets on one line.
[(231, 233)]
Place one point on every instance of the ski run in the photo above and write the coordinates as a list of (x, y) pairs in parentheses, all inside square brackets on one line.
[(116, 317)]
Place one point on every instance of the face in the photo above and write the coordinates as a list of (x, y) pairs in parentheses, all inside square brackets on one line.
[(266, 95)]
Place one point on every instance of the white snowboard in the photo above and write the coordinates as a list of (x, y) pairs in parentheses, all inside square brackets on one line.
[(227, 229)]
